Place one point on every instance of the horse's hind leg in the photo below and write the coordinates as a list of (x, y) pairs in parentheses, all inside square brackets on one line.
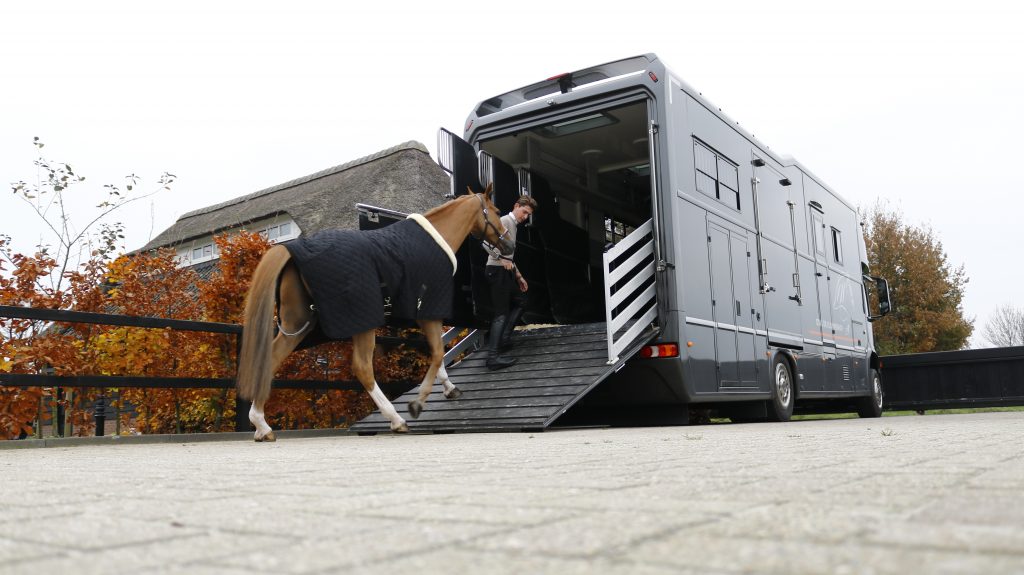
[(296, 319), (431, 329), (362, 367)]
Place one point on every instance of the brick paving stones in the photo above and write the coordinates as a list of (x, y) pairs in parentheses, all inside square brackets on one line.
[(938, 493)]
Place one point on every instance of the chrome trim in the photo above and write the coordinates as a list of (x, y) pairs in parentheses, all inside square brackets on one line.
[(772, 334), (698, 321)]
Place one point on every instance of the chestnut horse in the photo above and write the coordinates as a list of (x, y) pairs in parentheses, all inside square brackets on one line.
[(277, 283)]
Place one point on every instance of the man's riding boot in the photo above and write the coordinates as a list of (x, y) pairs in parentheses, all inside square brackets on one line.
[(495, 361), (510, 325)]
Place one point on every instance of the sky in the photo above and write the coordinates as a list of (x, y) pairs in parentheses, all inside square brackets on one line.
[(914, 104)]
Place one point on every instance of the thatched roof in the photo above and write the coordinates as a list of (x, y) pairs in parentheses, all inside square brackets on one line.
[(402, 178)]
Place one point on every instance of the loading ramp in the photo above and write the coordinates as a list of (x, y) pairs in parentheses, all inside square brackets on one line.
[(557, 366)]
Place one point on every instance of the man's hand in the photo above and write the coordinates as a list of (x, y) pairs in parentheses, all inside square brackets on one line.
[(522, 284), (508, 265)]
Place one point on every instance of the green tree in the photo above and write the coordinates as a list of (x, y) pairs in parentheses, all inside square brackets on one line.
[(927, 290)]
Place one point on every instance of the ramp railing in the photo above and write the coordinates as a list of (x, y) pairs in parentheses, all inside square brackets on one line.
[(629, 289)]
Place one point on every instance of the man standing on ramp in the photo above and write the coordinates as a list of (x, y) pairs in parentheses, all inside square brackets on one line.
[(508, 287)]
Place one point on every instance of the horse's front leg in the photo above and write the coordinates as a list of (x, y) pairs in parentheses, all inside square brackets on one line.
[(362, 367), (450, 391), (431, 329)]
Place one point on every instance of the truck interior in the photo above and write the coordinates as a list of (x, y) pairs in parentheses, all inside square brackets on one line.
[(590, 175)]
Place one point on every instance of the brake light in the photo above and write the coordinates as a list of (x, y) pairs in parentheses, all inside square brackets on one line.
[(660, 350)]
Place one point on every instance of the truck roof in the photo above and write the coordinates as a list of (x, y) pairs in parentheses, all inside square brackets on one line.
[(593, 76)]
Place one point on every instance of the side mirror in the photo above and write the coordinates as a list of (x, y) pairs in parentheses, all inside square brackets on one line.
[(884, 301)]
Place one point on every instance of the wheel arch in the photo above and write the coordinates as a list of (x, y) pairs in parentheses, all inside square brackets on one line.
[(789, 357)]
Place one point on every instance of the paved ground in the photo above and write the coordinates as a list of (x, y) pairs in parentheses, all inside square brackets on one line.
[(897, 495)]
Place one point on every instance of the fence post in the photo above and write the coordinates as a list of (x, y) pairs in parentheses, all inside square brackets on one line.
[(241, 406), (69, 424), (117, 412), (99, 415), (57, 413), (242, 414)]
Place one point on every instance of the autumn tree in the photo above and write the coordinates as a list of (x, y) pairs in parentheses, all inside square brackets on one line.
[(66, 271), (927, 290), (1006, 327), (77, 235), (84, 272)]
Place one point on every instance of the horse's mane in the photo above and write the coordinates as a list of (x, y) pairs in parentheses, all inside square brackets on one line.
[(445, 206)]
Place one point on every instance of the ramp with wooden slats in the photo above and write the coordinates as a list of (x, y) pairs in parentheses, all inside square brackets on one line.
[(556, 367)]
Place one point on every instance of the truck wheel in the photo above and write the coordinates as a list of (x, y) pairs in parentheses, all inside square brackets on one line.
[(780, 408), (871, 406)]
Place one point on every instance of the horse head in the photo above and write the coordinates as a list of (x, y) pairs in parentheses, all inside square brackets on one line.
[(489, 227)]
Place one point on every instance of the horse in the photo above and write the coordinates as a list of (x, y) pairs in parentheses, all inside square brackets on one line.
[(278, 287)]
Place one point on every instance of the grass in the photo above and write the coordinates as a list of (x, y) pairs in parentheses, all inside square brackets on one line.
[(903, 413), (851, 415)]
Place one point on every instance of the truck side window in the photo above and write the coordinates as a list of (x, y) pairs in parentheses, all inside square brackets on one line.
[(717, 176), (819, 233)]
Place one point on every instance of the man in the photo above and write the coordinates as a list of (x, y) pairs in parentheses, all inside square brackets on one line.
[(508, 287)]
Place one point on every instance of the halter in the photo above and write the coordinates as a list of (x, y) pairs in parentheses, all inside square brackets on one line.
[(487, 223)]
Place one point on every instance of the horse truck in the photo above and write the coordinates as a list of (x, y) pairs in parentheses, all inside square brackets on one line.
[(726, 276)]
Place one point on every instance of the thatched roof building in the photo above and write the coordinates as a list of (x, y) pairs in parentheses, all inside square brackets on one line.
[(402, 178)]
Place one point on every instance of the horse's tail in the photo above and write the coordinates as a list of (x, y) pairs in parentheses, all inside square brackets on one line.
[(255, 358)]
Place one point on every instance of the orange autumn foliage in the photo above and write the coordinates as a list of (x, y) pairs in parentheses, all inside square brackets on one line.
[(153, 285)]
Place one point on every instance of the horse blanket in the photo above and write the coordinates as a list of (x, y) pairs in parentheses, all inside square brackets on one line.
[(404, 269)]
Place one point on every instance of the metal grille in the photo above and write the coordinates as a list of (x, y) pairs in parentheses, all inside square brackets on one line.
[(486, 174), (446, 150)]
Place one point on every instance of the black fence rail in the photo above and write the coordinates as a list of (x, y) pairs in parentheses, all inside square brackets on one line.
[(105, 382), (954, 379)]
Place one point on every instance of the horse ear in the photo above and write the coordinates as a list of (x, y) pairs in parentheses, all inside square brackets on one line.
[(489, 191), (469, 190)]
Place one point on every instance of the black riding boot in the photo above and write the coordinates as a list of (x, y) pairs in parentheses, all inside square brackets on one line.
[(510, 325), (495, 361)]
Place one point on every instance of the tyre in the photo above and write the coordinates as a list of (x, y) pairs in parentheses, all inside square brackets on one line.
[(871, 406), (780, 408)]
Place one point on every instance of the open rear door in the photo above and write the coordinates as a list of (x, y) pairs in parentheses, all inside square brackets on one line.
[(458, 158), (471, 307)]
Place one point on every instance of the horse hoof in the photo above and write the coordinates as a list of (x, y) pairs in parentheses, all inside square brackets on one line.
[(266, 438), (415, 408), (403, 428), (455, 393)]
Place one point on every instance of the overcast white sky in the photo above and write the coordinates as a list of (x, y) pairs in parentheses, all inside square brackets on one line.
[(914, 103)]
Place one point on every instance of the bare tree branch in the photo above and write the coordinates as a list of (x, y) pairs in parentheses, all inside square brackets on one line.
[(1006, 327)]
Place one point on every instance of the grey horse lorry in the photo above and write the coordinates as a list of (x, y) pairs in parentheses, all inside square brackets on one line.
[(728, 277)]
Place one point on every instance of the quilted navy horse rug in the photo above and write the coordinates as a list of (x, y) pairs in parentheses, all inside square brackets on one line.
[(361, 279)]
